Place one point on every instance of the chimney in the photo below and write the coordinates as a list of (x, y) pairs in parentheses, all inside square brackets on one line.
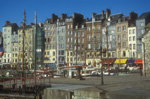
[(40, 24), (63, 16), (102, 13), (31, 23), (54, 18), (87, 19), (7, 22), (93, 14), (133, 15), (21, 25), (108, 13)]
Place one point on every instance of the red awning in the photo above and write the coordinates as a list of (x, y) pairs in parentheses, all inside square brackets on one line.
[(111, 61), (1, 53), (138, 61)]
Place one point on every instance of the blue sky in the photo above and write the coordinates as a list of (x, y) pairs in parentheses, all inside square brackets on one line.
[(12, 10)]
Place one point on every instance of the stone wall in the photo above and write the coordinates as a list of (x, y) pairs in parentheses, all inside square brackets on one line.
[(56, 94), (147, 53), (86, 93), (83, 94)]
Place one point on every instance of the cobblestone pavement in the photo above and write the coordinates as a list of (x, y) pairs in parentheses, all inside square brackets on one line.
[(111, 83)]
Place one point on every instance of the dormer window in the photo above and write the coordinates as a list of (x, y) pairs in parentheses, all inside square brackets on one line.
[(82, 26)]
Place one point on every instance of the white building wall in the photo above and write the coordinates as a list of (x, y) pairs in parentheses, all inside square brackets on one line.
[(132, 42)]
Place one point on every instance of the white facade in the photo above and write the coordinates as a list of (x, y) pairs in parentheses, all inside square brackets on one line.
[(7, 44), (132, 42)]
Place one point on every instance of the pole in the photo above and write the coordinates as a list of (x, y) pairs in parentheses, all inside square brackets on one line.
[(144, 71), (35, 50), (24, 19), (107, 48), (93, 48), (119, 53), (57, 50), (102, 82)]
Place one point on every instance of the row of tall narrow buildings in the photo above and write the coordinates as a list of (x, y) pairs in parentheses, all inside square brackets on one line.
[(71, 40)]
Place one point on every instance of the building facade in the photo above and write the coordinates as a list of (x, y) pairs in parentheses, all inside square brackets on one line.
[(8, 30), (141, 22), (1, 50), (61, 41), (14, 50), (50, 42), (145, 50)]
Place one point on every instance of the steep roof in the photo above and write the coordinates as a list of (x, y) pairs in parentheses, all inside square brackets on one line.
[(144, 15), (10, 24), (26, 27), (114, 18)]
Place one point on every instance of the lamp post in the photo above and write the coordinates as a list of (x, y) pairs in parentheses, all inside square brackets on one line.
[(108, 23)]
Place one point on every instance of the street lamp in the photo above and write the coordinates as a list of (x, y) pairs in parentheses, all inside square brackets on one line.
[(106, 32)]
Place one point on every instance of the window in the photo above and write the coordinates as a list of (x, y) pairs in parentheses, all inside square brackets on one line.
[(75, 41), (48, 33), (124, 45), (129, 31), (119, 29), (133, 54), (71, 54), (133, 31), (74, 47), (71, 33), (5, 30), (124, 53), (48, 53), (124, 28), (67, 26), (82, 40), (74, 34), (130, 38), (68, 33), (89, 29), (68, 40), (15, 48), (110, 38), (130, 46), (142, 24), (124, 37), (113, 54), (89, 46), (71, 59), (53, 53), (142, 31), (45, 28), (82, 34), (19, 48), (119, 38), (71, 39), (71, 26), (89, 37), (133, 46), (98, 28), (133, 38), (78, 34), (78, 40), (82, 26)]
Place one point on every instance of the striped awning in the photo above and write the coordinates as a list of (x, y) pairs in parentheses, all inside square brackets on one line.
[(121, 61)]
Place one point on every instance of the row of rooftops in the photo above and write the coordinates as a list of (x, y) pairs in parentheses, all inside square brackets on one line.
[(116, 18)]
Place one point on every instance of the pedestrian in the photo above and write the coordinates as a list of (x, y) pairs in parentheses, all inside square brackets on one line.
[(141, 70)]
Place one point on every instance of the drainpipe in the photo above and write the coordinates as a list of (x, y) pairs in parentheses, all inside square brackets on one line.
[(143, 51)]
